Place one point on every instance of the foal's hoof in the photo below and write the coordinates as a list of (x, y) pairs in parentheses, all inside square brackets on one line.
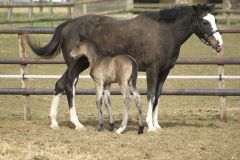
[(140, 130), (99, 127), (54, 126), (111, 127)]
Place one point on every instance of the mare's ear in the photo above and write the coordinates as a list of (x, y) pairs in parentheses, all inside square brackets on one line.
[(196, 8), (211, 7)]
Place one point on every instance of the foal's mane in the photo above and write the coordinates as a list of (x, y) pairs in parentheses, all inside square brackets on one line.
[(172, 14)]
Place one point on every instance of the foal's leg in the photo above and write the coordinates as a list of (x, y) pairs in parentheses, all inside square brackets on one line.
[(99, 93), (138, 104), (108, 106), (127, 101), (59, 89)]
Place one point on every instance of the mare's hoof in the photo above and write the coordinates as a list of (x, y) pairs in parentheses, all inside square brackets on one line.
[(54, 126), (140, 130), (120, 130), (80, 128), (111, 127), (152, 129), (157, 126)]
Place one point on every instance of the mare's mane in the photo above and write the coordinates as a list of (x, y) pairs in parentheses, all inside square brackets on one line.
[(172, 14)]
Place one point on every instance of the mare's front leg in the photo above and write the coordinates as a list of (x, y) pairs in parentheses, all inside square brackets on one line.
[(160, 81), (99, 93), (59, 89), (152, 74), (127, 102), (108, 106)]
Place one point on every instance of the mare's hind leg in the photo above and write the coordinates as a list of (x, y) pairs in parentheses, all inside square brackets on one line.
[(99, 93), (73, 73), (59, 89), (108, 106), (127, 102), (138, 104)]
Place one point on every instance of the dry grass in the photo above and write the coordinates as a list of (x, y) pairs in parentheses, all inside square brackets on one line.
[(191, 129)]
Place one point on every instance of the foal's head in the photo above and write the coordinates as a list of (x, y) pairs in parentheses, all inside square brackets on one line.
[(206, 28)]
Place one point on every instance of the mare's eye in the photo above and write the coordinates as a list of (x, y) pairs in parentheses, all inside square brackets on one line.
[(205, 22)]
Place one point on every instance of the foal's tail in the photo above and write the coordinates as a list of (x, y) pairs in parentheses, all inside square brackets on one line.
[(53, 48), (134, 72)]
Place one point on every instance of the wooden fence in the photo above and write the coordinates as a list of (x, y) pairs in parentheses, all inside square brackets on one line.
[(10, 7), (103, 7), (26, 92), (73, 9)]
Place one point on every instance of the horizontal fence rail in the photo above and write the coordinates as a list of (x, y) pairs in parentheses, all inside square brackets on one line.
[(91, 91), (38, 5), (27, 76), (197, 77), (180, 61)]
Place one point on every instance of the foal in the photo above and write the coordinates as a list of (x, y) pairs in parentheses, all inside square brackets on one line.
[(121, 69)]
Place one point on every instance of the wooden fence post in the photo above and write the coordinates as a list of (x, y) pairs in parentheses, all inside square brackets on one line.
[(9, 14), (51, 13), (227, 8), (22, 51), (84, 9), (30, 14), (222, 99), (129, 4)]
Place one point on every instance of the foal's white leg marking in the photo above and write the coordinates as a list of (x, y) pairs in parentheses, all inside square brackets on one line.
[(73, 114), (155, 117), (138, 104), (53, 111), (108, 105), (211, 19), (149, 118), (99, 93), (127, 103)]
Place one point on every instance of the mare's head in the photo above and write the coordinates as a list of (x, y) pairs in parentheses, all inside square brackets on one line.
[(206, 28)]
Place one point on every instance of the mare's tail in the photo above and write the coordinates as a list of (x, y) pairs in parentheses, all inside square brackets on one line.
[(134, 72), (52, 49)]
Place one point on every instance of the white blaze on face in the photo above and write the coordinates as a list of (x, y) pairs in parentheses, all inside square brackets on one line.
[(211, 19)]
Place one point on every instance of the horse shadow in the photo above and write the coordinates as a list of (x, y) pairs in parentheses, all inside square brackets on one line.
[(92, 122), (166, 123)]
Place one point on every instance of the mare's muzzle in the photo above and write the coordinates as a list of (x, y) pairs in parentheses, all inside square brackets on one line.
[(214, 42)]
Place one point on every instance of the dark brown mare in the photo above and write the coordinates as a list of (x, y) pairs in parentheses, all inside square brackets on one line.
[(153, 39)]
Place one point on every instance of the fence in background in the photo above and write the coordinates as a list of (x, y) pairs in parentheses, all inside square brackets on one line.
[(10, 7), (72, 9), (82, 7), (26, 92)]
